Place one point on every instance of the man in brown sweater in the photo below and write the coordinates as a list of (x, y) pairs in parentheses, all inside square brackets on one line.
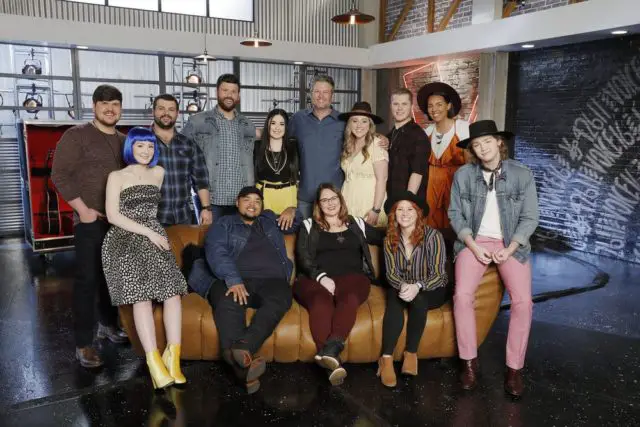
[(84, 157)]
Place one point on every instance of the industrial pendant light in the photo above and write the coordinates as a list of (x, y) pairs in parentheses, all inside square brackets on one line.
[(204, 57), (353, 17), (255, 41)]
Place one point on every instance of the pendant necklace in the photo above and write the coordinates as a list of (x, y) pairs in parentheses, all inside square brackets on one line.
[(340, 238), (274, 162)]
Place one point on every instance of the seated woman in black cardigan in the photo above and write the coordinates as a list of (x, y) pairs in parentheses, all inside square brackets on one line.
[(414, 256), (336, 273)]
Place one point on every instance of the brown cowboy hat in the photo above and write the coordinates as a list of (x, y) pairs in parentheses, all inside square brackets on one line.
[(361, 108), (442, 89), (483, 128)]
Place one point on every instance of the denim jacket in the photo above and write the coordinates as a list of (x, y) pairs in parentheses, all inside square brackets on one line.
[(203, 129), (224, 242), (517, 203)]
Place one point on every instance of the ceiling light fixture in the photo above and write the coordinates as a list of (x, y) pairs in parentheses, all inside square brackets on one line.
[(619, 32), (298, 62), (528, 46), (82, 47), (204, 56), (255, 41), (353, 17)]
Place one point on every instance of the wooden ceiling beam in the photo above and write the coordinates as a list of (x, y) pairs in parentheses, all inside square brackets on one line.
[(453, 8), (408, 4)]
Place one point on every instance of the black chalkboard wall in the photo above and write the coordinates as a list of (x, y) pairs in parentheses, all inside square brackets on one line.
[(576, 112)]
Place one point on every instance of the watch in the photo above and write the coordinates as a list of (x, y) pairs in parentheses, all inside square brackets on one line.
[(206, 208), (376, 210)]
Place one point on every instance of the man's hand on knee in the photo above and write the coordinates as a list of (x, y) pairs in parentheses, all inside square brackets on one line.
[(239, 293)]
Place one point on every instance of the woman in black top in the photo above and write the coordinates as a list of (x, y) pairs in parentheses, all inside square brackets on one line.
[(335, 274), (276, 167)]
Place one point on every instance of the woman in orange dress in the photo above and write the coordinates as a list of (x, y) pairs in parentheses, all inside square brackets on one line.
[(441, 103)]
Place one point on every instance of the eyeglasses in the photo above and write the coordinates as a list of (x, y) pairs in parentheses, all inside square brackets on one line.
[(329, 200)]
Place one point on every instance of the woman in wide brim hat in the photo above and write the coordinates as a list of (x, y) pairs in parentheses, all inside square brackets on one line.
[(442, 104), (365, 165), (415, 258)]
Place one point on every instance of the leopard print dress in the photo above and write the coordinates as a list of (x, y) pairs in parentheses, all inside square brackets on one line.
[(135, 269)]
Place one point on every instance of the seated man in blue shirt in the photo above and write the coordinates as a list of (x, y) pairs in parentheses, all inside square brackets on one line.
[(247, 267)]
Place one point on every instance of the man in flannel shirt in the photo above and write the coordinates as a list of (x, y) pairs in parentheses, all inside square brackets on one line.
[(184, 166)]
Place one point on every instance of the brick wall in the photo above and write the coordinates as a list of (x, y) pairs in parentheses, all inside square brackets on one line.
[(416, 22), (461, 73), (576, 112), (537, 5)]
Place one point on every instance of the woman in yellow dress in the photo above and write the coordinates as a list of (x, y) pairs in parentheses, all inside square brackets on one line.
[(365, 165)]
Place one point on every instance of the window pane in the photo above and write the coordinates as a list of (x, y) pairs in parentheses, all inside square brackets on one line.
[(268, 75), (89, 1), (111, 65), (190, 7), (134, 97), (137, 4), (237, 9)]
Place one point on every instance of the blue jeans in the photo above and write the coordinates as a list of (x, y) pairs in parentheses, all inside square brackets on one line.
[(305, 209), (221, 210)]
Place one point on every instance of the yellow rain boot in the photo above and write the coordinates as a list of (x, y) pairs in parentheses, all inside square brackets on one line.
[(171, 359), (158, 371)]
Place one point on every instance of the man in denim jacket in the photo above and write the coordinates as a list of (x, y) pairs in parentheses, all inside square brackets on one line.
[(494, 212), (227, 139), (246, 266)]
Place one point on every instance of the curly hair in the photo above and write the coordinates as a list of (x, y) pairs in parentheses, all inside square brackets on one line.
[(350, 141), (393, 230), (318, 215)]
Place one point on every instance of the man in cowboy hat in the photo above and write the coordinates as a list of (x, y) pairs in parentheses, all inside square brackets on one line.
[(494, 212), (441, 103)]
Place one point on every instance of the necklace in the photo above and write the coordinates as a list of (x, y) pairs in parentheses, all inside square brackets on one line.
[(340, 238), (273, 159)]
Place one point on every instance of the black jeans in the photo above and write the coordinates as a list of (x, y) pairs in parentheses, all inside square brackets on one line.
[(90, 283), (417, 318), (271, 298)]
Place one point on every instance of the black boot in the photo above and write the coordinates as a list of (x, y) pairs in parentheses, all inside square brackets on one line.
[(331, 353)]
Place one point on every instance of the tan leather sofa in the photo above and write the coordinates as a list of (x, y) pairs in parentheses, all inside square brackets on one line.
[(292, 340)]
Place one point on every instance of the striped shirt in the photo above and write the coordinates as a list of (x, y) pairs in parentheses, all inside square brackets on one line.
[(426, 265)]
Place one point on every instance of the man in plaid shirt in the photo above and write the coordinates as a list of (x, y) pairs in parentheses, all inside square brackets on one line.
[(184, 166)]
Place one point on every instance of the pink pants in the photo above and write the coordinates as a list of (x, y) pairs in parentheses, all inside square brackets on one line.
[(517, 280)]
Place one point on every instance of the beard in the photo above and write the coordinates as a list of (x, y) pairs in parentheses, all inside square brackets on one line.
[(249, 218), (158, 122), (224, 107), (106, 123)]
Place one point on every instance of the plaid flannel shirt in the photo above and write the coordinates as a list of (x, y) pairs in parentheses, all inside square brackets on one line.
[(184, 167)]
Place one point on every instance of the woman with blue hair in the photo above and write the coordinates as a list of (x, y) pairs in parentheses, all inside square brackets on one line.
[(137, 259)]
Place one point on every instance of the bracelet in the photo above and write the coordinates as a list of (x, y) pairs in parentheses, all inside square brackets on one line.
[(376, 210), (207, 208)]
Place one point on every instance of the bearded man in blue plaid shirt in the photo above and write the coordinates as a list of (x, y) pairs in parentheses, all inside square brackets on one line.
[(184, 167)]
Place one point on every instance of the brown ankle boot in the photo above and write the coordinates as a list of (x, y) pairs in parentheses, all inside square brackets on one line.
[(386, 372), (410, 364), (513, 382), (469, 375)]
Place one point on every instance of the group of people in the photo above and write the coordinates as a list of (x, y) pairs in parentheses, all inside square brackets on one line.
[(330, 178)]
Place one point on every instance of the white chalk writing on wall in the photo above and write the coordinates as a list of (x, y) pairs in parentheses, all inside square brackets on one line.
[(576, 188)]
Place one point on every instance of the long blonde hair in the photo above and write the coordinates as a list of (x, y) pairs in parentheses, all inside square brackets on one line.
[(349, 144)]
